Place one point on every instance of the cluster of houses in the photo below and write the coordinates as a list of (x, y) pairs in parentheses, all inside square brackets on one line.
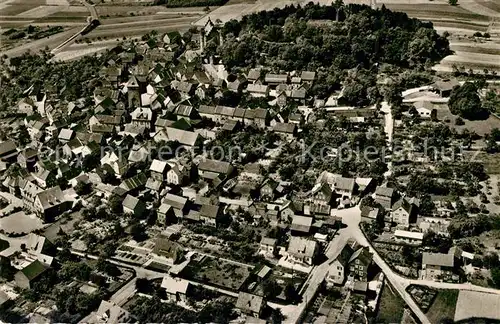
[(148, 98), (32, 262)]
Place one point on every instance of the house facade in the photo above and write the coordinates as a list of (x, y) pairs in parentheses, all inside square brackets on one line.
[(302, 250), (436, 266)]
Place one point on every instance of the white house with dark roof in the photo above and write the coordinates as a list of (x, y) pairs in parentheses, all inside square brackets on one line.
[(444, 87), (186, 112), (159, 169), (253, 75), (65, 135), (187, 139), (424, 108), (275, 79), (207, 112), (344, 187), (177, 174), (308, 76), (321, 194), (179, 203)]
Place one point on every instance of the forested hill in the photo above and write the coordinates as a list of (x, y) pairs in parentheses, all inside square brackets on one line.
[(311, 37), (72, 80)]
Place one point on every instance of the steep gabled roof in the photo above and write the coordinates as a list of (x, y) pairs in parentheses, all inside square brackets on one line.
[(33, 270), (439, 259)]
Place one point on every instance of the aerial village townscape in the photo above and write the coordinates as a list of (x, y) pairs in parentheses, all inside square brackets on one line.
[(218, 161)]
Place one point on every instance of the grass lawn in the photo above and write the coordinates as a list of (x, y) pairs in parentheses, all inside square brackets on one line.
[(3, 244), (391, 306), (443, 306), (481, 127)]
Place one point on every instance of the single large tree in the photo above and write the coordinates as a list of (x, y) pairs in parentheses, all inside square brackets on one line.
[(465, 102)]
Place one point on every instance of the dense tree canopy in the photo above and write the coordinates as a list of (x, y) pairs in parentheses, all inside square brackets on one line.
[(465, 102), (37, 70), (309, 37)]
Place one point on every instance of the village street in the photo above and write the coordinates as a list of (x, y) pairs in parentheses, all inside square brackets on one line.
[(398, 282)]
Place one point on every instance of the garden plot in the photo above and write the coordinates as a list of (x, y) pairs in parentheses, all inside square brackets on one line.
[(218, 272), (444, 306)]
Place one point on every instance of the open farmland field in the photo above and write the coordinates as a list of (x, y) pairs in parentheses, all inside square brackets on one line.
[(14, 10), (491, 4), (151, 24), (40, 12), (62, 20), (431, 10), (465, 27), (476, 48), (106, 11), (70, 55), (443, 306), (468, 60), (36, 45), (127, 21), (136, 31)]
